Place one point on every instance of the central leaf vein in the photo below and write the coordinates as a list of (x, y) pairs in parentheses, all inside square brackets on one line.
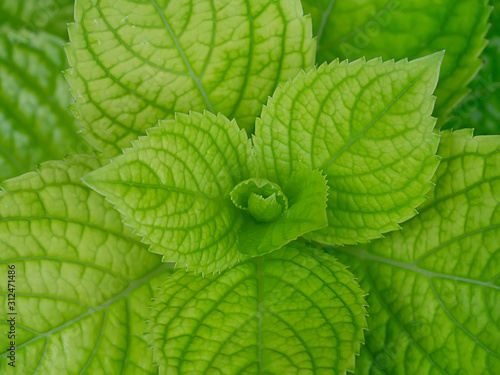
[(184, 57)]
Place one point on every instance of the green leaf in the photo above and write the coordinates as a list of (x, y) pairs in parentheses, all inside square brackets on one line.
[(294, 311), (435, 286), (35, 124), (50, 16), (174, 187), (481, 108), (367, 126), (137, 62), (306, 193), (349, 29), (264, 200), (83, 281)]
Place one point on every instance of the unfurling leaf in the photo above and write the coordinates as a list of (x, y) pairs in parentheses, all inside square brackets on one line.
[(306, 192), (261, 198)]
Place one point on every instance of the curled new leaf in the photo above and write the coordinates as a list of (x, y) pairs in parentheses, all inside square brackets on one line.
[(306, 193), (261, 198), (193, 190)]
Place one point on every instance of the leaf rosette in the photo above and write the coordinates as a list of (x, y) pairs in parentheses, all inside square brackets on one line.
[(341, 155), (264, 200), (205, 196), (193, 190)]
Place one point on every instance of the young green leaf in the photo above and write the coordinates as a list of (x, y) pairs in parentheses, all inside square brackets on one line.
[(186, 189), (137, 62), (264, 200), (83, 281), (367, 126), (50, 16), (435, 286), (349, 29), (295, 311), (35, 124), (173, 187), (304, 212), (481, 108)]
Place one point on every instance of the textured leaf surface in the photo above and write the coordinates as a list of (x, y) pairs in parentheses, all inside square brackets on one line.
[(50, 16), (295, 311), (350, 29), (481, 108), (136, 62), (174, 188), (83, 281), (367, 126), (434, 286), (35, 124)]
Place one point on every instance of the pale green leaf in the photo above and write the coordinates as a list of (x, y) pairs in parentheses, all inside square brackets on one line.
[(137, 62), (83, 281), (175, 186), (350, 29), (35, 124), (435, 286), (50, 16), (481, 108), (367, 126), (295, 311)]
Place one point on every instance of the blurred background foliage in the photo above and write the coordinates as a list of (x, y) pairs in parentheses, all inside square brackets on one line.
[(35, 124)]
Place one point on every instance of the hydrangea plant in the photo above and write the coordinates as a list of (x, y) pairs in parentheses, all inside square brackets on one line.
[(246, 209)]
